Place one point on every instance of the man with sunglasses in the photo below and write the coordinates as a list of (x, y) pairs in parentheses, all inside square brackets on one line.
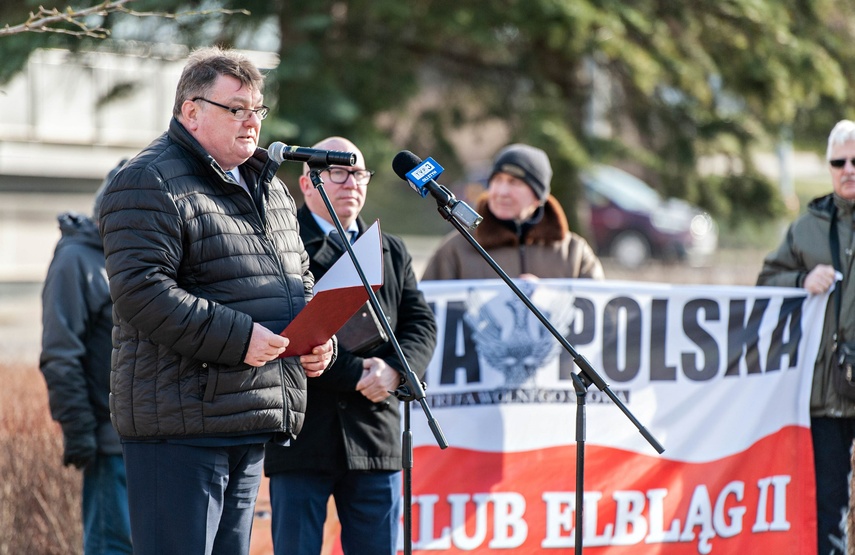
[(804, 259), (206, 267), (350, 446)]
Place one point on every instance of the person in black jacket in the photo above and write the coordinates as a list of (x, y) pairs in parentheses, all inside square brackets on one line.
[(75, 361), (350, 447), (206, 268)]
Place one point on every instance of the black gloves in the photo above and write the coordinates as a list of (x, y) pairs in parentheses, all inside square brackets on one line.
[(80, 448)]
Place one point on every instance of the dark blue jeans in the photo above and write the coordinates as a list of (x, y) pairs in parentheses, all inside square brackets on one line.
[(369, 508), (191, 499), (106, 524), (832, 442)]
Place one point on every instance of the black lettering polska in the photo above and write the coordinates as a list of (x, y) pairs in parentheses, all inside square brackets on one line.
[(702, 338), (789, 325), (622, 319), (699, 339), (743, 337), (660, 370), (582, 332)]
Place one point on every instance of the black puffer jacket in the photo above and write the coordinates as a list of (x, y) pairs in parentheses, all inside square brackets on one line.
[(193, 261), (76, 324)]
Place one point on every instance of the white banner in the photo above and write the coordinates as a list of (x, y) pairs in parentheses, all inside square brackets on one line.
[(720, 376)]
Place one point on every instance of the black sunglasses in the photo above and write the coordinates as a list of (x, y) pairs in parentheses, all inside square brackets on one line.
[(840, 162)]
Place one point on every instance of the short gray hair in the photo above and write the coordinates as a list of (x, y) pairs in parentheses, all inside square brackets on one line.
[(205, 65), (843, 132)]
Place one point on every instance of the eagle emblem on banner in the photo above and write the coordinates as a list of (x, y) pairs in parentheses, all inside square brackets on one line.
[(509, 337)]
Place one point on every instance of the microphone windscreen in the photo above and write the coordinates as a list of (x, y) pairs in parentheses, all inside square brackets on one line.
[(403, 162), (275, 152)]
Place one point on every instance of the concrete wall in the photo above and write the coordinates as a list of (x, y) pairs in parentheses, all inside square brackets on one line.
[(74, 115)]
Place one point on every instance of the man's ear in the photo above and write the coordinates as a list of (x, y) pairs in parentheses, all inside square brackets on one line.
[(189, 114), (306, 186)]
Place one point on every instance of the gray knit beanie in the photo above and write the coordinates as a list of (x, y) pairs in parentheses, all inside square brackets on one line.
[(528, 163)]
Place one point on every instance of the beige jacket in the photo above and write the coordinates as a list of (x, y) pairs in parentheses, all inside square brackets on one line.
[(548, 250)]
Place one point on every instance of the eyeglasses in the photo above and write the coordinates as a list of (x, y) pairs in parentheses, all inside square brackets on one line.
[(840, 162), (240, 114), (339, 175)]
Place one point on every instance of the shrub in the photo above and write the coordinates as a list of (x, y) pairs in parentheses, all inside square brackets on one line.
[(39, 498)]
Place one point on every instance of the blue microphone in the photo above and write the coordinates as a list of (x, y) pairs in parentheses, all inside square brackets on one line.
[(420, 175)]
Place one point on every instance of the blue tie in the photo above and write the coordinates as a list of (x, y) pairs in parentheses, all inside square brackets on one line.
[(337, 238)]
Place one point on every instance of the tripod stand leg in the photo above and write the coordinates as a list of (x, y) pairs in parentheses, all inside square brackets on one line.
[(581, 393), (407, 446)]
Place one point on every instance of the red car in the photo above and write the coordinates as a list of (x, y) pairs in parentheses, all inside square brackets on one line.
[(631, 222)]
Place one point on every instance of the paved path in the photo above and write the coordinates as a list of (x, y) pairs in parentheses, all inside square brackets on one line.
[(20, 322)]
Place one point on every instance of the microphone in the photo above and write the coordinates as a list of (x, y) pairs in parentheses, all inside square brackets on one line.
[(279, 152), (419, 174)]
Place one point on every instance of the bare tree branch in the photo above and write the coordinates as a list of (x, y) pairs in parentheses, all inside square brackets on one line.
[(46, 20)]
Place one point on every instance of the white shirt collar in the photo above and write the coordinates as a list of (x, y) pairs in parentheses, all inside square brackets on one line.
[(235, 175), (326, 227)]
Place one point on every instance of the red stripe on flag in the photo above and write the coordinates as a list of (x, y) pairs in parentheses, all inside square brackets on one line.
[(757, 501)]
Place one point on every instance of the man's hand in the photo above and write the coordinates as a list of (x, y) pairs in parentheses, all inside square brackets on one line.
[(320, 359), (264, 346), (378, 379), (820, 279), (79, 448)]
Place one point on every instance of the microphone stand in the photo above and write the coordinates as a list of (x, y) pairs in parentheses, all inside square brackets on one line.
[(458, 213), (412, 389)]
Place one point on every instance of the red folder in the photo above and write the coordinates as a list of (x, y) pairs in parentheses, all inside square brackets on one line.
[(338, 295)]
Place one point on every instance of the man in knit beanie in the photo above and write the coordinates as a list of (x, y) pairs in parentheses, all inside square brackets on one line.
[(528, 163), (524, 229)]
